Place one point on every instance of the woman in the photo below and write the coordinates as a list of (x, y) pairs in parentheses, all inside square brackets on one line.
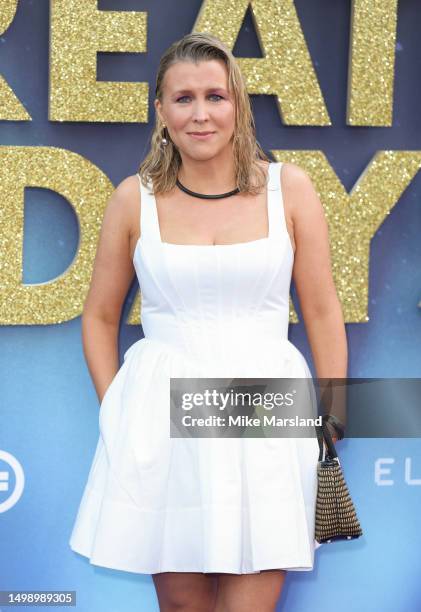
[(217, 522)]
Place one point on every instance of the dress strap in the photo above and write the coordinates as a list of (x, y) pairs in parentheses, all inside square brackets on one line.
[(149, 224), (276, 212)]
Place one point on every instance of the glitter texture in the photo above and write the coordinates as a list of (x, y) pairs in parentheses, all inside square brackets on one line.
[(7, 14), (134, 316), (78, 31), (354, 218), (286, 70), (87, 189), (11, 108), (372, 62)]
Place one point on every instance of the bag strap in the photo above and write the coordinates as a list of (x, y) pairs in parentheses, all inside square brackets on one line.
[(323, 434)]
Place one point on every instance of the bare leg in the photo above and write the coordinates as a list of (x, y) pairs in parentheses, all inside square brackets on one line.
[(249, 592), (185, 591)]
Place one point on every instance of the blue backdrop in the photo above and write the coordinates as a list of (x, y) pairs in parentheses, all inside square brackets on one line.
[(49, 409)]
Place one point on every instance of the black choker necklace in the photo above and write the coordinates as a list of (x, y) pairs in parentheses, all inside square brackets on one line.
[(207, 196)]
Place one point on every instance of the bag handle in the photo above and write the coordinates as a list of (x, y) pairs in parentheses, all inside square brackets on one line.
[(323, 433)]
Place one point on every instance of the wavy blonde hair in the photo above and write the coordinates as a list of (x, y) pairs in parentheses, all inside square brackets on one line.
[(161, 165)]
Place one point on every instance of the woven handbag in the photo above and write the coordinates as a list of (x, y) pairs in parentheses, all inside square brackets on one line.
[(336, 518)]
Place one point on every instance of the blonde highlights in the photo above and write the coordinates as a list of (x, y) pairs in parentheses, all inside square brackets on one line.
[(161, 165)]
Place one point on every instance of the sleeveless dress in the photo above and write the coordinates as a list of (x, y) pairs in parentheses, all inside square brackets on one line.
[(153, 503)]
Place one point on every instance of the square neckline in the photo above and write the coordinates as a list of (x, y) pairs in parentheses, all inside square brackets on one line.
[(212, 246)]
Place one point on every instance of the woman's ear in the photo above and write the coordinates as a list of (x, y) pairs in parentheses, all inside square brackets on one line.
[(157, 105)]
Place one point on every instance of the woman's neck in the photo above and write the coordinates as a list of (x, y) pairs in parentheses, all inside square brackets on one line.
[(209, 176)]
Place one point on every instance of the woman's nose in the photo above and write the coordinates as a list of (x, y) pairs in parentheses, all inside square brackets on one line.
[(200, 112)]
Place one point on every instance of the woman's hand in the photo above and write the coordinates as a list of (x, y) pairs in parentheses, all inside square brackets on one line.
[(333, 433)]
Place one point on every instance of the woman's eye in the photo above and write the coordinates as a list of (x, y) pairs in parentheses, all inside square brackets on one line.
[(184, 98)]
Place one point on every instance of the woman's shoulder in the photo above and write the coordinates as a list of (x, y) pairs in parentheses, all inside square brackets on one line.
[(128, 187), (296, 186), (127, 193), (301, 196), (123, 206), (294, 175)]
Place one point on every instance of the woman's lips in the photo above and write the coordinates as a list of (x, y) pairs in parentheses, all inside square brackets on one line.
[(201, 135)]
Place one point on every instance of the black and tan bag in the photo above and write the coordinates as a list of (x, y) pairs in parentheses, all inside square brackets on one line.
[(336, 517)]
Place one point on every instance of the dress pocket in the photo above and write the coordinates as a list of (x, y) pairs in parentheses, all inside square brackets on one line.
[(103, 405)]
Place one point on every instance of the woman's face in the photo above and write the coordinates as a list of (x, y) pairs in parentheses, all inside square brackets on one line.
[(195, 100)]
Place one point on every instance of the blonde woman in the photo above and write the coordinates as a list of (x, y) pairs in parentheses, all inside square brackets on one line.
[(213, 230)]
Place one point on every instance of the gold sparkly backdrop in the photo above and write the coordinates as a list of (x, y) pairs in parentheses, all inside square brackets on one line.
[(10, 107), (78, 30), (87, 189)]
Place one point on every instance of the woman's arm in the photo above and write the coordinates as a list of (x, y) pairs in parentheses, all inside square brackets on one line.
[(112, 276), (313, 279)]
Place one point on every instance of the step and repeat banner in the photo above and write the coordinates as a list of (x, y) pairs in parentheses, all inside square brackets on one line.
[(335, 88)]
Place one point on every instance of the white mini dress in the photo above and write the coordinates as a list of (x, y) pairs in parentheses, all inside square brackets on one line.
[(154, 503)]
